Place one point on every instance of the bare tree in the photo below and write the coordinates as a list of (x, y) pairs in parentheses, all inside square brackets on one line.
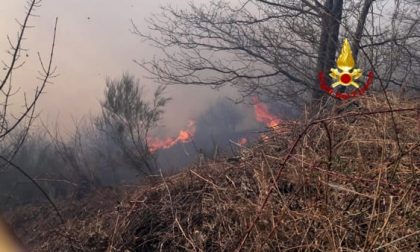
[(14, 126), (277, 47), (21, 120), (127, 118)]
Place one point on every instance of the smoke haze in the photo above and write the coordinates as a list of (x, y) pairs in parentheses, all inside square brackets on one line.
[(93, 42)]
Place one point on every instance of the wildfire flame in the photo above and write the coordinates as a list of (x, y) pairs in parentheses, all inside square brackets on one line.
[(243, 141), (184, 136), (263, 115)]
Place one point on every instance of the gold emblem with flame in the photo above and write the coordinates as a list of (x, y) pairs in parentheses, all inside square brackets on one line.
[(347, 74)]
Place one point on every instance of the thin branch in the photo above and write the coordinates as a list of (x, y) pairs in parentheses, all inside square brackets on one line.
[(37, 185)]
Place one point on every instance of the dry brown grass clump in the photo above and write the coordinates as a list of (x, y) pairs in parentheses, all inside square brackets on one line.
[(346, 181)]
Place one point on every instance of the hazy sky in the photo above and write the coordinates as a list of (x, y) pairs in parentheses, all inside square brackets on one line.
[(93, 42)]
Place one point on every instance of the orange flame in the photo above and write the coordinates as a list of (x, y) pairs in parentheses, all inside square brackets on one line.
[(184, 136), (243, 141), (263, 115)]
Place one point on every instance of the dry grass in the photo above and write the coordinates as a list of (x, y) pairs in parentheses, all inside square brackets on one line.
[(347, 182)]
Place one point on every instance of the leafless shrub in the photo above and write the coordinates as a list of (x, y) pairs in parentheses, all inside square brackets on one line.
[(127, 118)]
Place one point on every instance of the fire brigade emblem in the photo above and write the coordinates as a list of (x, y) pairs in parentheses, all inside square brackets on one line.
[(346, 74)]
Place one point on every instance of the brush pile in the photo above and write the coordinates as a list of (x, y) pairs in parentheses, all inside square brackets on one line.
[(346, 180)]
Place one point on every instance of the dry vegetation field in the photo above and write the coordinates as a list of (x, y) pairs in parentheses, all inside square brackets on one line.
[(345, 181)]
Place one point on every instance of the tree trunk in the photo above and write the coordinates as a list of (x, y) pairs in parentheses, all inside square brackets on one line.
[(360, 27), (331, 19)]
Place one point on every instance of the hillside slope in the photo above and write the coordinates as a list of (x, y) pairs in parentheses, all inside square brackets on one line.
[(346, 181)]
